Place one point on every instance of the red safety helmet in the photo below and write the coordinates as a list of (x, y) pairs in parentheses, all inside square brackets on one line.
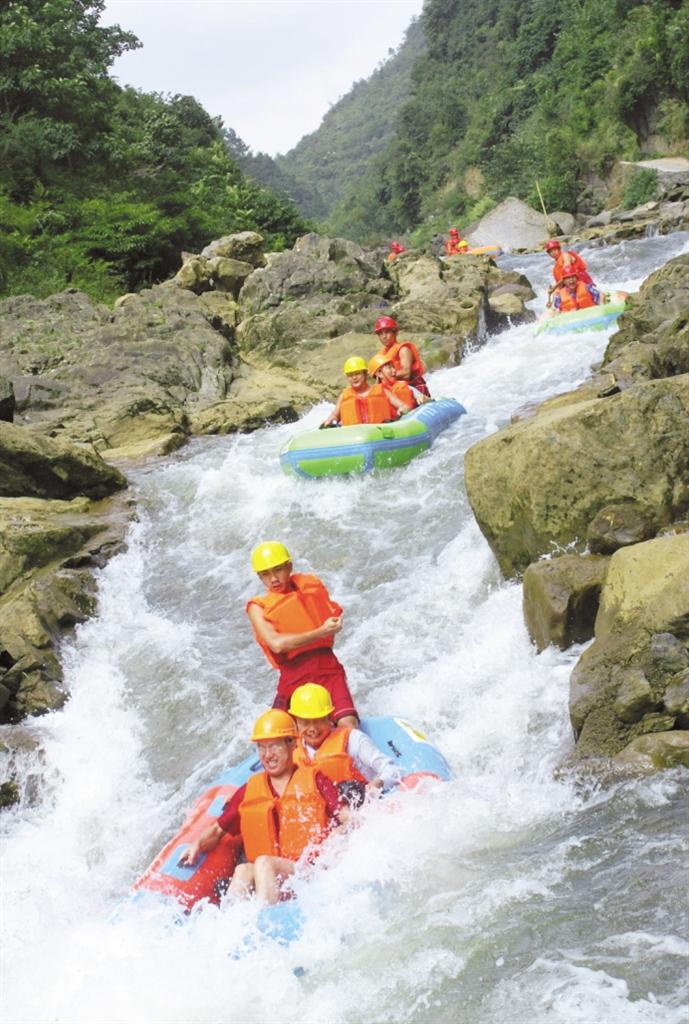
[(551, 244), (454, 231), (385, 323)]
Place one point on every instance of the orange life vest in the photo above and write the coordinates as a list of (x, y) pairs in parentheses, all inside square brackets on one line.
[(374, 408), (417, 367), (576, 266), (452, 247), (302, 609), (405, 394), (282, 826), (581, 299), (331, 757)]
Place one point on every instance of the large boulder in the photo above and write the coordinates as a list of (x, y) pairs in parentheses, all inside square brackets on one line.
[(538, 484), (245, 246), (561, 597), (48, 551), (653, 336), (112, 378), (634, 679), (40, 467), (513, 225)]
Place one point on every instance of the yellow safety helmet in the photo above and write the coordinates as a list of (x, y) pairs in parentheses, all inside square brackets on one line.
[(269, 554), (355, 364), (274, 725), (311, 701), (378, 360)]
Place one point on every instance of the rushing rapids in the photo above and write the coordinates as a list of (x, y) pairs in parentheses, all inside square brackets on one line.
[(514, 893)]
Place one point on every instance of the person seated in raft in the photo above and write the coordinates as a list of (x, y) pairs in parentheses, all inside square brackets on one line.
[(572, 293), (462, 247), (405, 355), (395, 249), (361, 402), (295, 623), (340, 752), (568, 260), (381, 367), (279, 812), (453, 242)]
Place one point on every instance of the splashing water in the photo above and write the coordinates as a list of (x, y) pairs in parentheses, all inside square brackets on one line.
[(511, 894)]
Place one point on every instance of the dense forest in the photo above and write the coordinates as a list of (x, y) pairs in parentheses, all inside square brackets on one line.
[(504, 94), (101, 187)]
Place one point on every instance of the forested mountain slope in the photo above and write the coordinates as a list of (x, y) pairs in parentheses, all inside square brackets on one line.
[(352, 133), (101, 187), (507, 93)]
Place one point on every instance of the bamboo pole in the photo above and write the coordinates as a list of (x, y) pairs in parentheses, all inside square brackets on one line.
[(550, 227)]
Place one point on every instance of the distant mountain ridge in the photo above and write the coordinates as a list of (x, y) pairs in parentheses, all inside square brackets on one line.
[(315, 174)]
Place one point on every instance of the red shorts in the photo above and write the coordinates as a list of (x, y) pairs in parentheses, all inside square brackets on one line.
[(316, 667)]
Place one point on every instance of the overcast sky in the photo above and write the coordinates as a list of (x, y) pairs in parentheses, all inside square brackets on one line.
[(269, 68)]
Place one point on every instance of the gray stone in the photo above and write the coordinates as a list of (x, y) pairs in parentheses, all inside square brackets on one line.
[(667, 655), (561, 597), (657, 751), (513, 225), (634, 697), (616, 526), (676, 699)]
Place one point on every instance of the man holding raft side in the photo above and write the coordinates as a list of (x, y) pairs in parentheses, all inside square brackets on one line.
[(295, 623), (279, 812)]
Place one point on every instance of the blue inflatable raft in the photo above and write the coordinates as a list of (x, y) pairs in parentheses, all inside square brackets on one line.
[(338, 451)]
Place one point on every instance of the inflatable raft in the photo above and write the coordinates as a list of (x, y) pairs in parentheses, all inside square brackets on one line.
[(593, 318), (485, 250), (185, 886), (337, 451)]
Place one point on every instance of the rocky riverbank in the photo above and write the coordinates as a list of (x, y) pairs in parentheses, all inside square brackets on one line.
[(602, 473)]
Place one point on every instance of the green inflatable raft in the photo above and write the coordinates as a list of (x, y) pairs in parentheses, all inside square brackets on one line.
[(338, 451), (593, 318)]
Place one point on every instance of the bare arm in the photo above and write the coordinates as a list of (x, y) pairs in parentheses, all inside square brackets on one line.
[(334, 416), (406, 359), (281, 643), (208, 840)]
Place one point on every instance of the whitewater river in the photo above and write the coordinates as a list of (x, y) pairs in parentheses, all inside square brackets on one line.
[(515, 894)]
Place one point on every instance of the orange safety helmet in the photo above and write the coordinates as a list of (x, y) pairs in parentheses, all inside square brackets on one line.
[(385, 323), (274, 725), (551, 244), (378, 360)]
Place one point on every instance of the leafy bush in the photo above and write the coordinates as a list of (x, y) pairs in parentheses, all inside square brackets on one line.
[(641, 188)]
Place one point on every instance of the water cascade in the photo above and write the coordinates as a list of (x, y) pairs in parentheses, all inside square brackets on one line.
[(515, 893)]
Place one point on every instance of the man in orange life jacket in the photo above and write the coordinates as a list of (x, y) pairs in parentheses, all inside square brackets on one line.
[(382, 368), (564, 261), (279, 812), (572, 293), (340, 752), (452, 245), (405, 355), (362, 402), (295, 623), (395, 249)]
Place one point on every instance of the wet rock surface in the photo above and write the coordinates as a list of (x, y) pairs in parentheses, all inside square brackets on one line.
[(605, 470)]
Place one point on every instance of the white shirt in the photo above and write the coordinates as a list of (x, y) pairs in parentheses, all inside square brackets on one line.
[(368, 759)]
